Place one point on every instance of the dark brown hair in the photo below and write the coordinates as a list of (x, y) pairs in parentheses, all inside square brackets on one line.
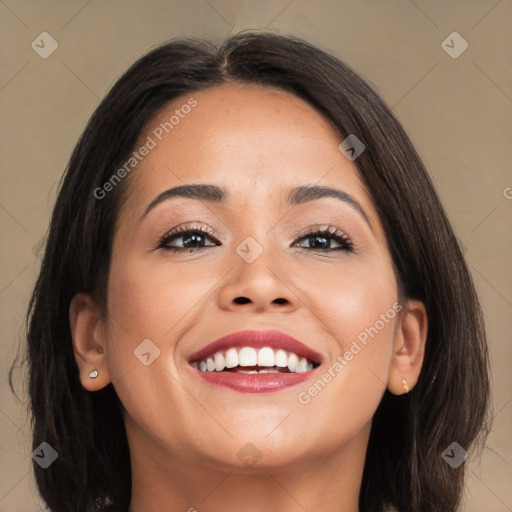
[(404, 469)]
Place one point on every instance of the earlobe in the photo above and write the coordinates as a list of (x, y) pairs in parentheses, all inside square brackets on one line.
[(409, 348), (87, 332)]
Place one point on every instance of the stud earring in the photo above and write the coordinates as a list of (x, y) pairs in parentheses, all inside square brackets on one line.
[(93, 374), (404, 384)]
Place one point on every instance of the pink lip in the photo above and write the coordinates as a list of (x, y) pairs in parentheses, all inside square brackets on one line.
[(257, 339), (255, 383)]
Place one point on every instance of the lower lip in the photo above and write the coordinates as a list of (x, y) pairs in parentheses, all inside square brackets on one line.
[(253, 382)]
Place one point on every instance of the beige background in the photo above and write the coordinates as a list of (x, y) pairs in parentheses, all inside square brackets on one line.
[(457, 112)]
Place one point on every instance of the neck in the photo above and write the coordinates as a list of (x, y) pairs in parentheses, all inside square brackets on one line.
[(328, 482)]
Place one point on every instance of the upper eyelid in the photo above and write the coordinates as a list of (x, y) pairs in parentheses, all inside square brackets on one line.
[(321, 227), (181, 230), (189, 226), (207, 230)]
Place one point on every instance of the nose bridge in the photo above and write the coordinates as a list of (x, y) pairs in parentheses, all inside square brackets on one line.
[(253, 227), (259, 258), (258, 278)]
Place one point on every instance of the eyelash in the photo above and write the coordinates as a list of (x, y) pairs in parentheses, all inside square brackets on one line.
[(329, 232)]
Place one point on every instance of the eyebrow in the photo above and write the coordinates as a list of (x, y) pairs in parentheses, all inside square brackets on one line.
[(295, 196)]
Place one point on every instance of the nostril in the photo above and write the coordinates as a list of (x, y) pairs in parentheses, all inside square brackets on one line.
[(242, 300)]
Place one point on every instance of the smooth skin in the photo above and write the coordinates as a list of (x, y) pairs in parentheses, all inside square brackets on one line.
[(184, 433)]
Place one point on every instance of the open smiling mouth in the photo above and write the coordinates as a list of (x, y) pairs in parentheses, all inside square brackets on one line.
[(254, 361), (249, 360), (254, 370)]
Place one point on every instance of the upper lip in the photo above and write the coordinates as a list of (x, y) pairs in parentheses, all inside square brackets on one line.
[(257, 339)]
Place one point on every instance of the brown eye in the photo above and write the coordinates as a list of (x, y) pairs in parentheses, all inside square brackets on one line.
[(321, 240), (192, 238)]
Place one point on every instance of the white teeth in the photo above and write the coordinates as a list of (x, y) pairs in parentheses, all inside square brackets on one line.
[(302, 365), (293, 361), (220, 362), (247, 357), (266, 358), (281, 359), (231, 358)]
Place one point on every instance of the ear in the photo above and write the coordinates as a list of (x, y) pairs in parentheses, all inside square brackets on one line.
[(409, 347), (88, 334)]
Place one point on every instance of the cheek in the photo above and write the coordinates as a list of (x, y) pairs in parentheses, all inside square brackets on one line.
[(351, 299), (358, 308), (158, 302), (149, 301), (147, 308)]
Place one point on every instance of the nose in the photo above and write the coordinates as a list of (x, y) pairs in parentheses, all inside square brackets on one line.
[(260, 286)]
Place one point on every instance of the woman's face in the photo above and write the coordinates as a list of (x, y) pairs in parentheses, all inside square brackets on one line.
[(256, 268)]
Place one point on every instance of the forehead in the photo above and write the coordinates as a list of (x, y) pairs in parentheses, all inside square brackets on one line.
[(256, 141)]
